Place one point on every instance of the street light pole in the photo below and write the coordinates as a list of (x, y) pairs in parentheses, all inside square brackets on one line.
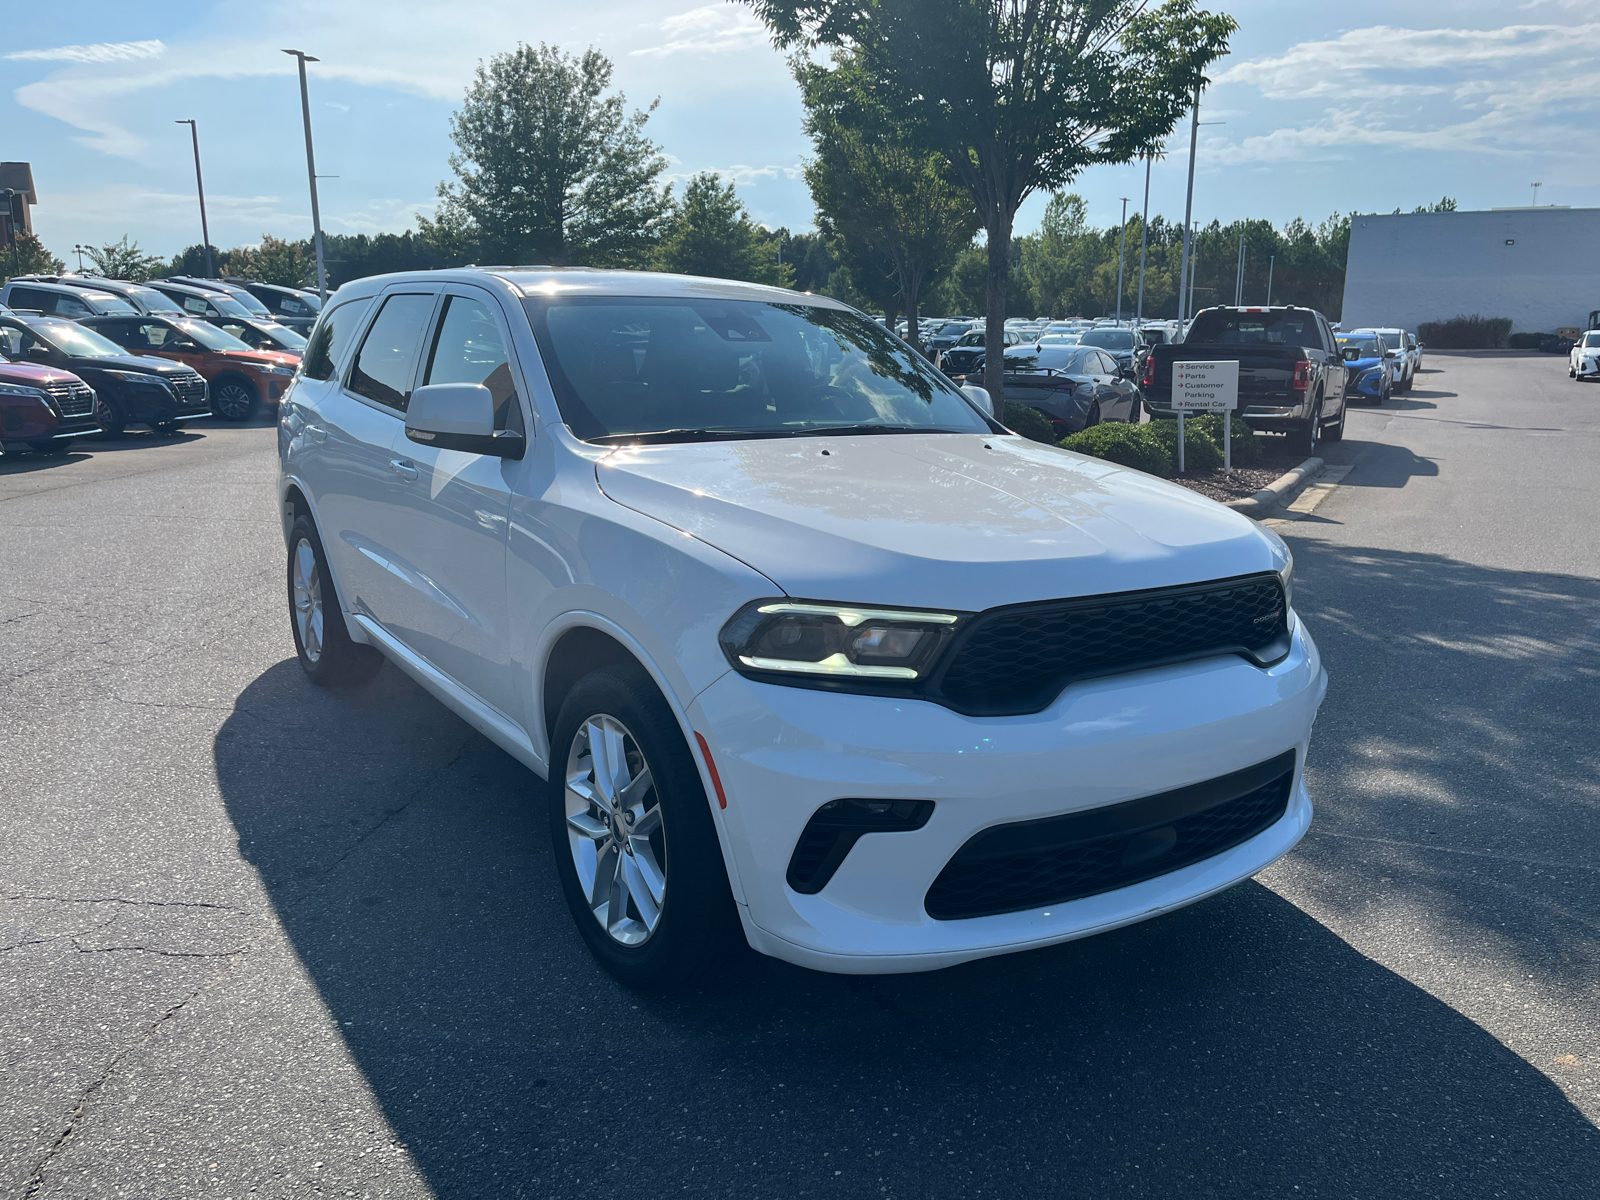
[(199, 186), (1144, 238), (311, 172), (1122, 247), (1238, 287), (1188, 209), (1271, 262)]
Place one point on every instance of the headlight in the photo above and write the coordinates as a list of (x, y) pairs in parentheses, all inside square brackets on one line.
[(17, 389), (138, 379), (276, 370), (836, 643)]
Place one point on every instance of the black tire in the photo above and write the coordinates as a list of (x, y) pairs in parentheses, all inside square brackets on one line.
[(1388, 395), (697, 926), (108, 415), (54, 448), (333, 660), (1335, 432), (1302, 438), (1092, 417), (233, 398)]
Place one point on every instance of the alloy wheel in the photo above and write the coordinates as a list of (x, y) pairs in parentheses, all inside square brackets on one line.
[(308, 614), (232, 401), (614, 830)]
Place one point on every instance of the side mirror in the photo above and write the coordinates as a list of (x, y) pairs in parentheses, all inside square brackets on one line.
[(1388, 354), (1351, 354), (979, 397), (459, 416)]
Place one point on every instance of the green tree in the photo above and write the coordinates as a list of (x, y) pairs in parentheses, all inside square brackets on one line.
[(1018, 94), (28, 257), (551, 169), (191, 260), (124, 260), (877, 187), (710, 233)]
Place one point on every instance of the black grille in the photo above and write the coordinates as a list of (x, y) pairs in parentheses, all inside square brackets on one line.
[(71, 398), (1031, 864), (1016, 660), (190, 387)]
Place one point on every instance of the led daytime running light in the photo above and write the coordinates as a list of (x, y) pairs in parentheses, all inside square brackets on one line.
[(855, 616), (834, 664)]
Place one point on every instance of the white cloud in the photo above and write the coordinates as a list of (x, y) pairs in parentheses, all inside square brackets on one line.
[(710, 29), (1506, 92), (740, 174), (99, 52)]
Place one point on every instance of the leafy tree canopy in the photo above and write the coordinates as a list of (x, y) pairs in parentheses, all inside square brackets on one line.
[(710, 233), (28, 257), (124, 260), (551, 169)]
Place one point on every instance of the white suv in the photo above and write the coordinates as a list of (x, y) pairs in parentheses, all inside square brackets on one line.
[(813, 651)]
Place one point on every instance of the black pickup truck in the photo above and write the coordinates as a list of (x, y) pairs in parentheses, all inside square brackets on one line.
[(1291, 372)]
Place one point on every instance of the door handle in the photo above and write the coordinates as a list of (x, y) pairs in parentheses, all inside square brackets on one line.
[(405, 468), (315, 433)]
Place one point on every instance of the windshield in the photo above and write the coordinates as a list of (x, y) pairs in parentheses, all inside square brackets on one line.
[(74, 340), (669, 369), (110, 303), (1224, 327), (256, 308), (286, 338), (1367, 345), (974, 338), (1591, 338), (210, 336), (154, 302), (1109, 339), (1059, 339)]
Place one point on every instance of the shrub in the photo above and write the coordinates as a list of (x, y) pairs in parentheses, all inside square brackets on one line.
[(1200, 453), (1247, 448), (1029, 422), (1523, 341), (1465, 333), (1133, 446)]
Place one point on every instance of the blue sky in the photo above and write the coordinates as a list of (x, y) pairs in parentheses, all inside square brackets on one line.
[(1361, 105)]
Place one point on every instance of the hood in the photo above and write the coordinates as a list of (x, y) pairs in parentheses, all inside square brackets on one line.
[(143, 363), (33, 375), (935, 521), (263, 358), (1362, 364)]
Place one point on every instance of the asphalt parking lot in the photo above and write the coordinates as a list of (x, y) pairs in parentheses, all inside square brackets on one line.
[(258, 939)]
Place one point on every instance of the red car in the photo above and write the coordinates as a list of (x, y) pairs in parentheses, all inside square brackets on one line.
[(239, 377), (43, 408)]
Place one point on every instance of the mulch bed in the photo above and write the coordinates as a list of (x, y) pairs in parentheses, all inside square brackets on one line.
[(1243, 483)]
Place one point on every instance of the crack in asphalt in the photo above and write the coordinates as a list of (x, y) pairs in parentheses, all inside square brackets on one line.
[(123, 900), (163, 953)]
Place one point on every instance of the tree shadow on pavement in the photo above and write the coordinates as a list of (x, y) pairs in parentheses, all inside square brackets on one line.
[(1454, 763), (1234, 1049)]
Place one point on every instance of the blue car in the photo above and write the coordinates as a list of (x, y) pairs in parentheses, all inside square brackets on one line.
[(1369, 367)]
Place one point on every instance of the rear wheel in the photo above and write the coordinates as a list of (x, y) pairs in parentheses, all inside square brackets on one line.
[(322, 642), (632, 831), (1302, 438), (232, 398)]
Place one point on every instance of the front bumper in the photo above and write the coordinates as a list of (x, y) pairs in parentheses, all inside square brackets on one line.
[(1588, 365), (784, 752)]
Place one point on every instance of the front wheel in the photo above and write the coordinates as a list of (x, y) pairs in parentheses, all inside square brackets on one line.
[(232, 399), (1093, 417), (632, 831), (109, 417), (322, 642)]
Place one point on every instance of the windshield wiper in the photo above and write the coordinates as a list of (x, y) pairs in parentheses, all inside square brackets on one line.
[(662, 436), (842, 430)]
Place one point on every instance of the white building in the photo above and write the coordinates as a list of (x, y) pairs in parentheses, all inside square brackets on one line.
[(1538, 266)]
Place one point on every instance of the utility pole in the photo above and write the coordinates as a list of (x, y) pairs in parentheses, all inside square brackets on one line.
[(1122, 248), (1536, 188), (199, 186), (311, 173), (78, 250), (1144, 239), (1271, 261), (1238, 287), (1188, 207), (14, 230)]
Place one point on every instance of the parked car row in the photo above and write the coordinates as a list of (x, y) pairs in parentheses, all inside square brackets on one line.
[(80, 354)]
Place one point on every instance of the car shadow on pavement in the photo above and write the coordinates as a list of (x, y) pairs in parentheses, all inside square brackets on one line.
[(1382, 465), (1237, 1048)]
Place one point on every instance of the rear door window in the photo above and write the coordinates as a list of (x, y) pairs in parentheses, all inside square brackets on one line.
[(32, 298), (387, 362)]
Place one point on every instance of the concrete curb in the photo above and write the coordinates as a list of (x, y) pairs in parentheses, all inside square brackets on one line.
[(1277, 494)]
